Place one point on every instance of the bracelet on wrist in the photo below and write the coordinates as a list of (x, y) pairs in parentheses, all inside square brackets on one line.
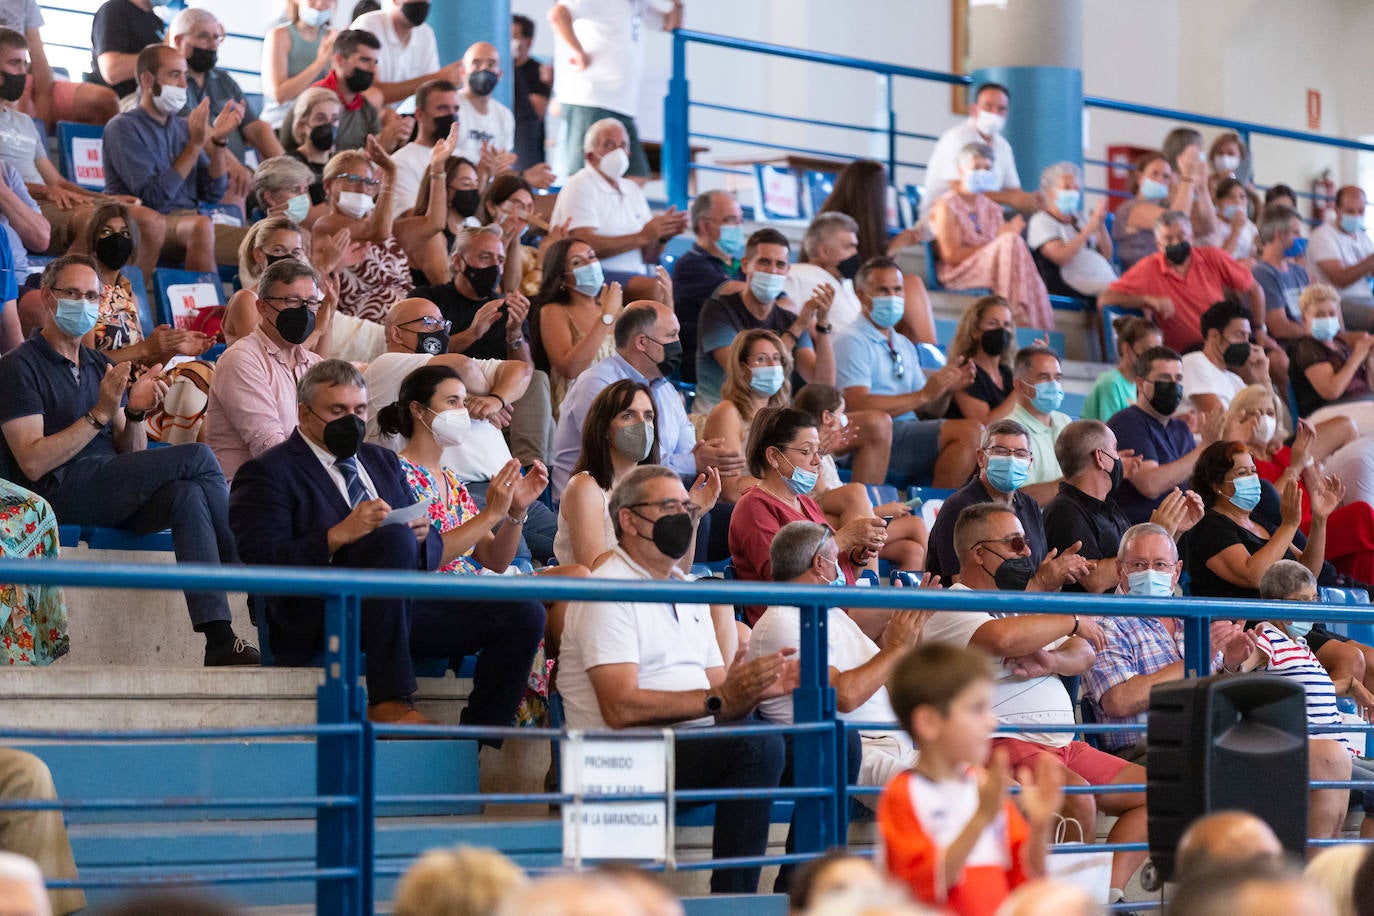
[(135, 415), (89, 417), (504, 405), (518, 521), (220, 143), (1074, 631)]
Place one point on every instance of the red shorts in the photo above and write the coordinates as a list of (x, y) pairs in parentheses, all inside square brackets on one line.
[(1097, 767)]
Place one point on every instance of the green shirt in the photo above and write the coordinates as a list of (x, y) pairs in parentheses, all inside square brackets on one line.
[(1111, 392)]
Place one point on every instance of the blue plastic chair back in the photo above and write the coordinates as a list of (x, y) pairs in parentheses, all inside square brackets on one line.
[(944, 331), (145, 310), (677, 246), (880, 493), (818, 188), (81, 155), (192, 291), (1109, 314), (1073, 404), (1025, 337), (931, 357)]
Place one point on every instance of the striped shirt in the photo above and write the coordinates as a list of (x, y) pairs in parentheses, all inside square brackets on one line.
[(1291, 657)]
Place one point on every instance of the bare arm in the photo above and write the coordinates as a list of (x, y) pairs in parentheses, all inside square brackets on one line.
[(33, 229), (607, 246), (1153, 479), (1132, 697), (37, 454), (1015, 198), (1007, 637), (583, 511), (724, 423), (1342, 275), (275, 81), (262, 138), (42, 75), (624, 704), (560, 18), (116, 67)]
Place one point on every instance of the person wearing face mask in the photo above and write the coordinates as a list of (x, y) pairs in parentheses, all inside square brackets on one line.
[(436, 112), (285, 186), (486, 324), (321, 500), (488, 125), (1279, 271), (408, 50), (1235, 234), (1114, 390), (632, 663), (1033, 653), (575, 312), (756, 377), (73, 423), (986, 337), (1073, 252), (530, 92), (1037, 392), (712, 265), (1227, 362), (1330, 367), (1154, 191), (978, 248), (120, 31), (1084, 511), (988, 111), (350, 77), (297, 53), (1341, 253), (316, 117), (805, 331), (610, 212), (829, 257)]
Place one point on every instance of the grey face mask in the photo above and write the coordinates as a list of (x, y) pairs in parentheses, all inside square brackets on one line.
[(635, 441)]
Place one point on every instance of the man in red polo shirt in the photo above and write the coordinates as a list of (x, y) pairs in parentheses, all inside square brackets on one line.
[(350, 77), (1180, 282)]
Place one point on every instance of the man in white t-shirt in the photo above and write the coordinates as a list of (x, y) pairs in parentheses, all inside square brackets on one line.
[(599, 65), (1036, 650), (1342, 254), (436, 111), (831, 246), (610, 212), (627, 664), (485, 125), (987, 116), (1227, 362), (409, 54), (804, 553)]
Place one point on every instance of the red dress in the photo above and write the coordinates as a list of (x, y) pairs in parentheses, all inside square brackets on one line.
[(1349, 530)]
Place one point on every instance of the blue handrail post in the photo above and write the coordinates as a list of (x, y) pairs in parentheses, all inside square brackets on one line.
[(813, 753), (344, 834), (677, 152), (1197, 646), (891, 135)]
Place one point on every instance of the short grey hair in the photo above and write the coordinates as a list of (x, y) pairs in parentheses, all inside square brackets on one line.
[(466, 236), (701, 207), (1076, 443), (1275, 220), (1172, 218), (1143, 530), (634, 320), (589, 138), (280, 172), (823, 227), (1003, 427), (188, 19), (633, 488), (328, 373), (975, 150), (1049, 178), (22, 868), (54, 268), (793, 548), (1283, 579), (1026, 355)]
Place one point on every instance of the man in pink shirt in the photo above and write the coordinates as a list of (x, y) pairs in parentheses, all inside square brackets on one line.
[(253, 393)]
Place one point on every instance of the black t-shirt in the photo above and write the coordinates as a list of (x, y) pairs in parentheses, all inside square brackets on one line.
[(1208, 538), (460, 310), (529, 127), (1075, 516), (940, 556), (123, 28), (317, 195), (985, 389), (1306, 352)]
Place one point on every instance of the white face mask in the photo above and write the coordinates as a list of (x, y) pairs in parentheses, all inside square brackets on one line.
[(843, 418), (989, 123), (171, 100), (1228, 164), (356, 204), (1265, 428), (615, 163), (450, 427)]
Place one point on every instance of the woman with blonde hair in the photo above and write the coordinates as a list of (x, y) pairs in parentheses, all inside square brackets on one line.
[(757, 375), (463, 881), (314, 129), (1333, 870), (986, 337), (1331, 368)]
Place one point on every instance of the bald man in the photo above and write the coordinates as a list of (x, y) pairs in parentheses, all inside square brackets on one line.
[(1225, 838), (485, 125), (1256, 889)]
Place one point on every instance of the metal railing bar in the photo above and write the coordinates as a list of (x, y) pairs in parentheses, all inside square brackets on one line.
[(795, 119), (741, 141), (819, 57), (180, 734), (211, 877), (124, 804)]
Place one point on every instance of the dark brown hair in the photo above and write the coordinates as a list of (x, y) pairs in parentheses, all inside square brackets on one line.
[(860, 193), (596, 429), (933, 674), (1211, 469)]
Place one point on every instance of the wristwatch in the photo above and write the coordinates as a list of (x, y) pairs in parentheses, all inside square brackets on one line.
[(823, 329), (607, 319), (135, 415), (714, 704), (515, 344)]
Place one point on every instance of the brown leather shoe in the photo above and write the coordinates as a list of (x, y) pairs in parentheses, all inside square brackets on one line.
[(397, 712)]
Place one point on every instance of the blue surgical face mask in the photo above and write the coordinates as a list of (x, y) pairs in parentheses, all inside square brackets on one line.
[(1326, 329), (1229, 211), (888, 310), (1300, 627), (1247, 495), (588, 278), (1150, 584), (1352, 223), (732, 240), (298, 208), (1048, 396), (1296, 250), (765, 286), (981, 181), (77, 317), (839, 579), (1153, 190), (1067, 200), (801, 481), (1007, 473), (766, 380)]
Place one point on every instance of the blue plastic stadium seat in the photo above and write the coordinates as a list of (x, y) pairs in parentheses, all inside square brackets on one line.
[(208, 291), (119, 539), (1025, 337), (80, 154), (933, 278), (677, 246), (1073, 404), (818, 188), (1109, 314)]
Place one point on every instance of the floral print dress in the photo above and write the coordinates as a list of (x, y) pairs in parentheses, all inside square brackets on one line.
[(34, 626)]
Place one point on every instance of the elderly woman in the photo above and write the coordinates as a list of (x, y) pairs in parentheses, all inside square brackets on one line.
[(986, 337), (1331, 368), (977, 248), (1235, 233), (574, 314), (285, 186), (1114, 390), (314, 129), (295, 55), (1074, 253)]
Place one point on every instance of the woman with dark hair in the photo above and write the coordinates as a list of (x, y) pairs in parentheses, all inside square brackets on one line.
[(1182, 147), (457, 180), (1235, 234), (508, 202), (835, 872), (1280, 195), (784, 454), (574, 315), (1114, 390), (756, 376), (986, 337)]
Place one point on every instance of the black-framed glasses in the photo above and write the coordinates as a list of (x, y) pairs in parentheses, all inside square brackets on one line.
[(294, 302), (669, 507), (898, 364), (1017, 542), (84, 295), (430, 323)]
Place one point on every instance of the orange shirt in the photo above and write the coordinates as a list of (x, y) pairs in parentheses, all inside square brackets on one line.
[(919, 819), (1211, 272)]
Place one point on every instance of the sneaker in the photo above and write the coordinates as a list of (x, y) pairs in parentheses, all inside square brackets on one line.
[(240, 653)]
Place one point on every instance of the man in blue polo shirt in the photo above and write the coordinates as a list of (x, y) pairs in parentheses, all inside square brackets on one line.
[(878, 369), (73, 430), (717, 220), (1164, 445)]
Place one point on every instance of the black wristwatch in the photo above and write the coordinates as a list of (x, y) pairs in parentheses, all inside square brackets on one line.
[(714, 704), (135, 416), (823, 329)]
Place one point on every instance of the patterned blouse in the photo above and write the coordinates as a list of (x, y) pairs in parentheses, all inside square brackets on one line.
[(445, 515), (382, 278), (119, 325)]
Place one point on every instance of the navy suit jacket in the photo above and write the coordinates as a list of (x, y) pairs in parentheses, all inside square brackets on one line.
[(281, 507)]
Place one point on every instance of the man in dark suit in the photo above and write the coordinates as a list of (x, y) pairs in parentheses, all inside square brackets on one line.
[(321, 499)]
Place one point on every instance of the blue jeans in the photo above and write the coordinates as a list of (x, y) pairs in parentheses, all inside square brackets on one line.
[(179, 487)]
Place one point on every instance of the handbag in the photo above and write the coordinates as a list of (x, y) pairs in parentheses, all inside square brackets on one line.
[(1089, 871)]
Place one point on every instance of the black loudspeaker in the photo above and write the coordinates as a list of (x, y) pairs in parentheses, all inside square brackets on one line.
[(1226, 742)]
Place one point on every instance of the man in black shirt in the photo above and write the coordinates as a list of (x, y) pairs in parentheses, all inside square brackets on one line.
[(530, 99), (120, 29), (486, 325)]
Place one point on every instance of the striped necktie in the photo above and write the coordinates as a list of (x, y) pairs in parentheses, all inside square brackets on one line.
[(357, 490)]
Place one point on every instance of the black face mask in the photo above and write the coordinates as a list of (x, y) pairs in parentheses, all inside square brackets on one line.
[(483, 279), (1014, 574), (432, 342), (483, 82), (202, 60), (344, 435), (672, 534), (1117, 472), (274, 258), (415, 12), (672, 358), (322, 137), (114, 251), (1177, 254), (1235, 355), (995, 341), (13, 86), (465, 201), (1168, 395), (442, 125), (295, 325), (359, 80), (849, 267)]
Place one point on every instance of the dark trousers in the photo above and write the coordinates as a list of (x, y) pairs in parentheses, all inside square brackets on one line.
[(853, 759), (741, 829), (179, 487), (396, 629)]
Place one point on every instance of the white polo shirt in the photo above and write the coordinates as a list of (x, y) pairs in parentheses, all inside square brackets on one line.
[(593, 202), (942, 169), (496, 127), (673, 644), (1200, 376), (399, 60), (802, 280), (1329, 243)]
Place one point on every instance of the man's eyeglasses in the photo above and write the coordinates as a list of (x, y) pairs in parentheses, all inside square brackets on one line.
[(1159, 566), (1017, 542), (294, 302), (669, 507), (429, 323), (1000, 451), (84, 295)]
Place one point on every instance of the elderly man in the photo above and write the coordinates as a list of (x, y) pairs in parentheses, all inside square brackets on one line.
[(1036, 650), (409, 51), (1280, 231), (487, 127), (436, 111), (174, 164), (609, 212), (726, 314), (878, 369), (1037, 392), (322, 499), (987, 116), (627, 664), (1342, 254), (711, 266), (73, 425), (252, 404), (1225, 838)]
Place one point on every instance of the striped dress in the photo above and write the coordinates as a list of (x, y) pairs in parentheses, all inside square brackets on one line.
[(1290, 657)]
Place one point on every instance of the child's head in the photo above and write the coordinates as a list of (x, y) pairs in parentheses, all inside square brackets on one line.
[(824, 403), (942, 694)]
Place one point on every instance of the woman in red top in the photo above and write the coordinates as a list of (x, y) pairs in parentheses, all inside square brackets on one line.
[(784, 453), (1251, 419)]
